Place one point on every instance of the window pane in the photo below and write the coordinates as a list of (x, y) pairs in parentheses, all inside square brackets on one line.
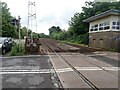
[(96, 25), (114, 23), (101, 28), (104, 23), (91, 29), (118, 27), (95, 29), (107, 27), (101, 24), (118, 23), (113, 27)]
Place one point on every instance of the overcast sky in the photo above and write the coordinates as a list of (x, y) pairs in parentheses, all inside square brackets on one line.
[(49, 12)]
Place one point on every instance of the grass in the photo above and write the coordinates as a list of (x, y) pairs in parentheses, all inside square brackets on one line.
[(112, 49), (67, 42), (17, 50)]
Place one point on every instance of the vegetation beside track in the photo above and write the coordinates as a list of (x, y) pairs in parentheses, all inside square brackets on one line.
[(78, 30), (17, 50), (83, 48), (76, 34), (73, 43)]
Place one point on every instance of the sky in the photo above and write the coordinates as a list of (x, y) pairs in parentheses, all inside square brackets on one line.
[(49, 12)]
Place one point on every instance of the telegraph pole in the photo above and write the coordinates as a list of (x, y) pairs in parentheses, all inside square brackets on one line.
[(19, 31)]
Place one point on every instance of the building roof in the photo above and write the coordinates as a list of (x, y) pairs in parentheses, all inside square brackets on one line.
[(103, 14)]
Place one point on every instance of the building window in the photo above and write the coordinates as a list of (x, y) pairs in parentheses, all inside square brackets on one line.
[(106, 25), (116, 25), (113, 27), (101, 27), (94, 28)]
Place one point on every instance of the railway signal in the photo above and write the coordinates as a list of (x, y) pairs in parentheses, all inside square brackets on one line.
[(14, 21)]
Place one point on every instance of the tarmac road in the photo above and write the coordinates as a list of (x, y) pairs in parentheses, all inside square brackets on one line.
[(28, 72), (37, 71)]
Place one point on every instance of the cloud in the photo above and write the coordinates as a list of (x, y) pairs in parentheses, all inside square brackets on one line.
[(49, 12)]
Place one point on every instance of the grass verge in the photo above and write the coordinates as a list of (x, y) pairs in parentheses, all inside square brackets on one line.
[(67, 42), (17, 50)]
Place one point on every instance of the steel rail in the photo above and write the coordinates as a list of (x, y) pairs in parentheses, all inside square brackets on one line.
[(86, 60), (94, 87)]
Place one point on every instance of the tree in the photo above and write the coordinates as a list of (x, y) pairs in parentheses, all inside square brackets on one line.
[(42, 35), (8, 30), (54, 29), (23, 32), (76, 25), (78, 30)]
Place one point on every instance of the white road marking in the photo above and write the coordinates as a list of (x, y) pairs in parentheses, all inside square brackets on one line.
[(4, 71), (26, 56), (20, 67)]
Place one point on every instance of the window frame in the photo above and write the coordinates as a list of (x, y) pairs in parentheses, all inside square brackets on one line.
[(106, 25), (94, 28), (116, 25)]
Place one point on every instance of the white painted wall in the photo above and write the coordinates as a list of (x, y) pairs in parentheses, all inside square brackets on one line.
[(109, 19)]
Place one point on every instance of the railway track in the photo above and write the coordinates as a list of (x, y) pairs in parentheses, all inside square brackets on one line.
[(71, 53), (85, 79)]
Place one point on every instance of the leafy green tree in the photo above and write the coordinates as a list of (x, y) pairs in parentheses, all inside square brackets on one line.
[(54, 29), (8, 30), (35, 35), (42, 35), (76, 24), (78, 30), (23, 32)]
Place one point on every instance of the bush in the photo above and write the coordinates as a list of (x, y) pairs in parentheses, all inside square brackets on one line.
[(17, 51), (81, 39)]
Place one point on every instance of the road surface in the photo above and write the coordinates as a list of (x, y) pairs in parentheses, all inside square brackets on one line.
[(28, 72), (62, 66)]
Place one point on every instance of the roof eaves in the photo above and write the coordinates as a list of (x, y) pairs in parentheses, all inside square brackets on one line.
[(107, 13)]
